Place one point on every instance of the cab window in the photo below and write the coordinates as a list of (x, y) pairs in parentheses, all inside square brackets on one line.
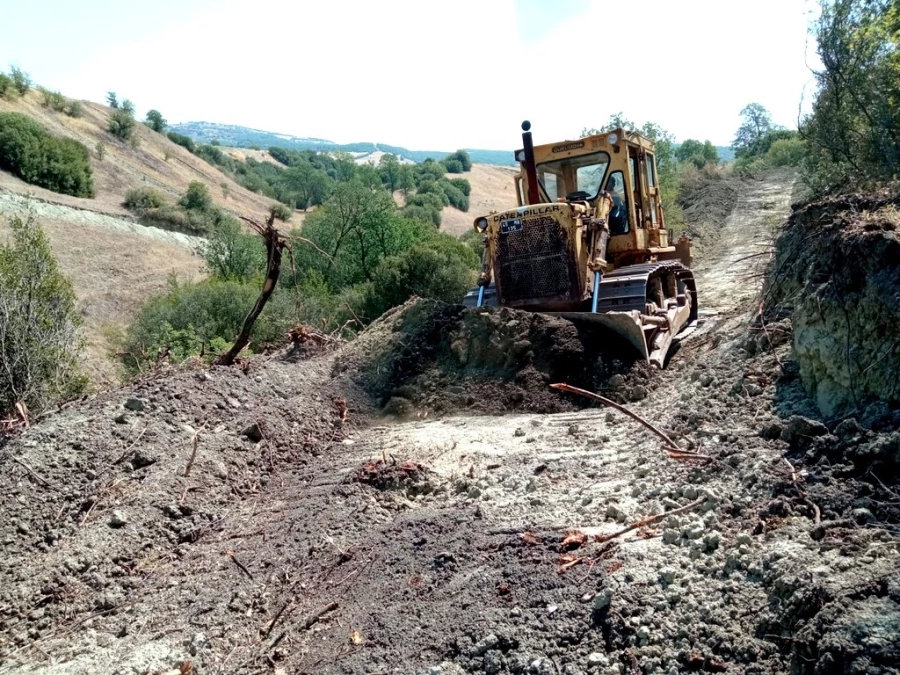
[(573, 174), (651, 171), (618, 214)]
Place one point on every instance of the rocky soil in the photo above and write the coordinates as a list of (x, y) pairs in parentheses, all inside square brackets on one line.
[(419, 502)]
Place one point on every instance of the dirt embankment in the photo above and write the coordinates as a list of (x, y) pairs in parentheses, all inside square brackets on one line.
[(313, 535), (836, 273)]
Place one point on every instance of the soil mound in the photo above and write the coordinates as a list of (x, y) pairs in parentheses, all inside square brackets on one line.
[(440, 358), (836, 270)]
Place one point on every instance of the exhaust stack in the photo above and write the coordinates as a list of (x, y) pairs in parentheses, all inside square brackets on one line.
[(534, 196)]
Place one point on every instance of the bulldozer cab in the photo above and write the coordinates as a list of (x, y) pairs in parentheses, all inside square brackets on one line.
[(617, 163)]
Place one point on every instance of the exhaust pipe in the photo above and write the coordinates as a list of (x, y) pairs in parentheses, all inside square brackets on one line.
[(534, 196)]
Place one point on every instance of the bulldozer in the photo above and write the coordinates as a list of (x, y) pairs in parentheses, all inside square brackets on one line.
[(588, 242)]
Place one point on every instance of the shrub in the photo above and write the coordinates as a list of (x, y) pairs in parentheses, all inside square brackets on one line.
[(786, 152), (39, 340), (74, 109), (6, 86), (53, 100), (141, 200), (39, 158), (462, 185), (182, 140), (453, 166), (191, 319), (282, 212), (100, 149), (459, 159), (441, 269), (196, 198), (177, 220), (121, 125), (21, 80)]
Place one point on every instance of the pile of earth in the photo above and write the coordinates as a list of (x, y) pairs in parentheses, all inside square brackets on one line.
[(836, 274), (707, 198), (429, 356)]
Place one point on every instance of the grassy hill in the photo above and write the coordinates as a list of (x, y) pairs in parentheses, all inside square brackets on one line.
[(244, 137)]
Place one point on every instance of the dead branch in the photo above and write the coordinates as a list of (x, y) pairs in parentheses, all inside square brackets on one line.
[(674, 450), (314, 618), (650, 520), (275, 245), (240, 565), (195, 442), (33, 474)]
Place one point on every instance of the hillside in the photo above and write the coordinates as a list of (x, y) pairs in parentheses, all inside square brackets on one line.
[(229, 134), (492, 189), (115, 263)]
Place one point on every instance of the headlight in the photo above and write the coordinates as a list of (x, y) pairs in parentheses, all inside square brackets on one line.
[(481, 224), (613, 139)]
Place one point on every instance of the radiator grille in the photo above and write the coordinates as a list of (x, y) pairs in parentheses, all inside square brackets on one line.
[(535, 262)]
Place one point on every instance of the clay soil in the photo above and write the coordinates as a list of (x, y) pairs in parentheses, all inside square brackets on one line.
[(420, 502)]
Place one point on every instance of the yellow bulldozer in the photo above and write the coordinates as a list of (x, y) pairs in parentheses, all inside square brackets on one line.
[(588, 242)]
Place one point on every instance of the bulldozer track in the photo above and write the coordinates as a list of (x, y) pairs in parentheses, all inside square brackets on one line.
[(626, 288)]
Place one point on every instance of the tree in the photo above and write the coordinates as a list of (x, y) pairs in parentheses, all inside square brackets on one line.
[(128, 107), (39, 341), (699, 154), (121, 125), (156, 121), (390, 167), (756, 124), (854, 129), (112, 100), (232, 254)]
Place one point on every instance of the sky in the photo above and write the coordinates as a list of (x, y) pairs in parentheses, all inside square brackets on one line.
[(425, 74)]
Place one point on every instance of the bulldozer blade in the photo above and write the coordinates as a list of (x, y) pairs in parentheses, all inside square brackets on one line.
[(626, 327)]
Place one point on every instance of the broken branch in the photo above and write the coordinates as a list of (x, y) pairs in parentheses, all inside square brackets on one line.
[(650, 520), (675, 451)]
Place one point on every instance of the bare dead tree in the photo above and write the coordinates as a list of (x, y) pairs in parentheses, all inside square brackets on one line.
[(275, 245)]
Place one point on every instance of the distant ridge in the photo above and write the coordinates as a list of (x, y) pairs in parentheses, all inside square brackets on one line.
[(245, 137)]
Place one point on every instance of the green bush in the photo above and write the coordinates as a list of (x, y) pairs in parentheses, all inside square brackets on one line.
[(141, 200), (453, 166), (53, 100), (39, 341), (462, 185), (282, 212), (121, 124), (182, 140), (442, 269), (196, 198), (21, 80), (177, 219), (191, 319), (39, 158), (6, 86), (786, 152), (74, 108), (459, 159)]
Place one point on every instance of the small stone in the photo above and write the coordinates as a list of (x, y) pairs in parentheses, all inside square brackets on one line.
[(121, 418), (573, 429), (586, 597), (134, 404), (22, 528), (667, 576), (552, 609), (493, 662), (118, 519), (689, 492), (711, 541), (488, 642), (198, 642), (862, 516), (617, 381), (233, 402), (643, 635), (603, 599), (595, 659), (474, 492), (219, 470), (706, 379), (253, 433), (519, 432), (515, 611)]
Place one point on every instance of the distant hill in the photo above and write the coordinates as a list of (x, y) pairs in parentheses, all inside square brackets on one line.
[(726, 153), (244, 137)]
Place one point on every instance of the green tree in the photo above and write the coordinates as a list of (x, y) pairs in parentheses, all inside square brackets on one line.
[(128, 107), (232, 254), (304, 186), (21, 80), (755, 126), (111, 99), (39, 340), (853, 133), (390, 169), (141, 200), (6, 86), (699, 154), (156, 121)]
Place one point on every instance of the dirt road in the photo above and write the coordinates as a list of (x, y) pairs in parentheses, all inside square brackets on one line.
[(302, 540)]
